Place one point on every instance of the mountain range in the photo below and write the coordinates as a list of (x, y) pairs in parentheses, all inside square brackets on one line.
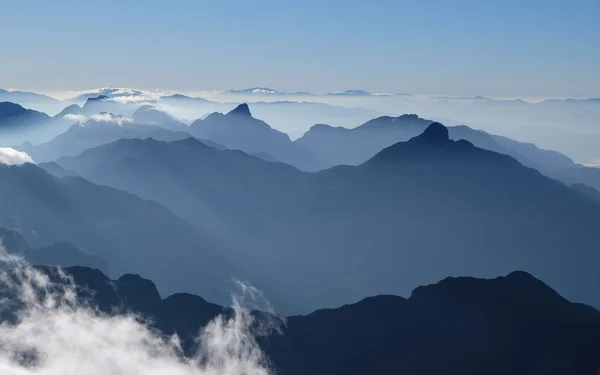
[(238, 130), (360, 230)]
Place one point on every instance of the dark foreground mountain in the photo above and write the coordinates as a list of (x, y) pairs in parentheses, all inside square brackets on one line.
[(507, 325), (126, 231), (416, 212), (238, 130)]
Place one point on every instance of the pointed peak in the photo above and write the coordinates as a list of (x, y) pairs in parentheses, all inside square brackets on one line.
[(241, 110)]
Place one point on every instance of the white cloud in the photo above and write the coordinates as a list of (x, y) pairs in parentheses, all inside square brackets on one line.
[(58, 334), (72, 117), (134, 98), (10, 156), (109, 117)]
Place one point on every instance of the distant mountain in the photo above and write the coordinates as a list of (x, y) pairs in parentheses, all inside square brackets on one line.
[(72, 109), (255, 90), (101, 128), (61, 254), (508, 325), (103, 103), (431, 204), (183, 98), (267, 91), (122, 95), (148, 114), (30, 100), (589, 176), (340, 146), (14, 117), (239, 130), (126, 231), (350, 93)]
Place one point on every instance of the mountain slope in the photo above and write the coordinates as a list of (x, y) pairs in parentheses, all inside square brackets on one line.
[(148, 114), (416, 212), (239, 198), (432, 206), (126, 231), (14, 117)]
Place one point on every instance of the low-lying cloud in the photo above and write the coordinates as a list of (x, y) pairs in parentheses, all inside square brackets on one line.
[(58, 334), (109, 117), (10, 156), (72, 117)]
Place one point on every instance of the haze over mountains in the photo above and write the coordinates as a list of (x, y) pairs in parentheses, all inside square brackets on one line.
[(117, 182), (564, 125)]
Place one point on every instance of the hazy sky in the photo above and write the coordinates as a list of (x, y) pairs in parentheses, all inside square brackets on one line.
[(509, 48)]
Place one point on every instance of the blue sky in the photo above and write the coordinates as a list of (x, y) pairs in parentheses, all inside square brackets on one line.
[(504, 48)]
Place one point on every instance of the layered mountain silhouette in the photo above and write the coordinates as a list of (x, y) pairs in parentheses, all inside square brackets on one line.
[(104, 103), (15, 117), (62, 254), (148, 114), (239, 130), (341, 146), (32, 100), (101, 128), (431, 204), (129, 233), (507, 325)]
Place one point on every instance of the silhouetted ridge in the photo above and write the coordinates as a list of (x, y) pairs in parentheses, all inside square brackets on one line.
[(11, 109), (73, 109), (145, 107), (469, 326), (241, 110)]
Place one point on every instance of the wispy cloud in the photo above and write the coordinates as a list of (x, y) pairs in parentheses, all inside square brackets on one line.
[(72, 117), (56, 332), (109, 117)]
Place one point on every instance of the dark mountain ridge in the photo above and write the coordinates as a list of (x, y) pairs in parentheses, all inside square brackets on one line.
[(507, 325)]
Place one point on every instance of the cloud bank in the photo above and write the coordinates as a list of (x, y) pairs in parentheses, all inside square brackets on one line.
[(58, 334), (10, 156)]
